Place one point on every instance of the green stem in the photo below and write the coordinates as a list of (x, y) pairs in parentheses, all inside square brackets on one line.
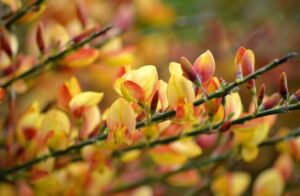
[(198, 163), (207, 130), (158, 118), (22, 12), (38, 67)]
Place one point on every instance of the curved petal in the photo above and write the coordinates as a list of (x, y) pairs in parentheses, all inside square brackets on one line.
[(83, 100), (205, 66), (179, 90)]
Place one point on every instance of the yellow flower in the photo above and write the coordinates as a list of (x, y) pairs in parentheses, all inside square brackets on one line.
[(137, 85), (121, 122), (231, 184), (269, 183)]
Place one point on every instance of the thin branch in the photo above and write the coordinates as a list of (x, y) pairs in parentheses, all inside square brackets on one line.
[(55, 57), (291, 135), (158, 118), (221, 92), (22, 12), (198, 163), (208, 129)]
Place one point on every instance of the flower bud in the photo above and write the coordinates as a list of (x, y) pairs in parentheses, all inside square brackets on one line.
[(81, 13), (283, 87), (295, 97), (270, 103), (189, 71), (237, 60), (85, 34), (154, 102), (40, 38), (261, 94), (225, 126), (5, 44)]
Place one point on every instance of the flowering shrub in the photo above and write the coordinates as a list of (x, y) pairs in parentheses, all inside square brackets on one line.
[(188, 131)]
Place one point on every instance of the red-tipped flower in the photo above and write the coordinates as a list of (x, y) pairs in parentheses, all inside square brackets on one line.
[(245, 60), (237, 61), (270, 102), (283, 86)]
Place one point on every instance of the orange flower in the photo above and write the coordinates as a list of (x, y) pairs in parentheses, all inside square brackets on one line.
[(245, 63), (212, 106), (205, 66), (251, 134), (81, 57), (121, 122), (58, 123), (81, 104), (176, 153)]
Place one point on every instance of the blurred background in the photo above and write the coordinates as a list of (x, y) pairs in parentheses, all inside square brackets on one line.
[(160, 31)]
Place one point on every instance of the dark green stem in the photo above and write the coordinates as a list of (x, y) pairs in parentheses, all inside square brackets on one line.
[(22, 12), (55, 57), (208, 130), (198, 163), (161, 117)]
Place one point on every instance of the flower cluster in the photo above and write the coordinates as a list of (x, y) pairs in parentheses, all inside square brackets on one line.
[(189, 130)]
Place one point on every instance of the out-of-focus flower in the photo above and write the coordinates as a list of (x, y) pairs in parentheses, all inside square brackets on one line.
[(58, 123), (284, 164), (29, 124), (187, 178), (291, 147), (206, 141), (81, 58), (115, 54), (269, 183), (33, 14), (176, 153), (81, 104), (232, 184), (121, 121), (154, 12), (250, 135), (8, 43)]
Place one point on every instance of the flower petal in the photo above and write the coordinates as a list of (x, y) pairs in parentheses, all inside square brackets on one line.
[(83, 100), (205, 66)]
